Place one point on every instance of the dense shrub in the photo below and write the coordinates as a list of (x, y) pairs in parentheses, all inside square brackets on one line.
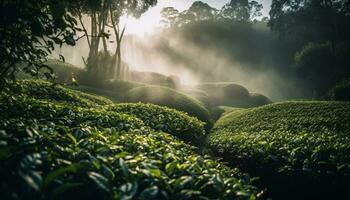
[(220, 111), (164, 119), (45, 90), (231, 94), (302, 148), (116, 97), (200, 95), (52, 150), (235, 91), (341, 92), (256, 99), (171, 98)]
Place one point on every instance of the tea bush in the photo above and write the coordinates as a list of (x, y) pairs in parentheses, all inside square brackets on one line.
[(231, 94), (60, 150), (256, 100), (302, 148), (44, 90), (171, 98), (177, 123), (200, 95)]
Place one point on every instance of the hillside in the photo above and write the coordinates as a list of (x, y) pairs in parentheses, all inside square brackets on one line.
[(299, 147), (57, 143)]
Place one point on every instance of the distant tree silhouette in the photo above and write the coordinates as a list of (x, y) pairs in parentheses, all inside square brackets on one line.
[(312, 20), (321, 30), (235, 11), (241, 11)]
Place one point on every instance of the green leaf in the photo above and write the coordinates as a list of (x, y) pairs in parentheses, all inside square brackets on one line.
[(128, 190), (59, 172), (27, 170), (100, 180), (155, 172), (124, 167), (149, 193)]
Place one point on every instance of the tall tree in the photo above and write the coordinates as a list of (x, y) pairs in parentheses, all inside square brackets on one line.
[(169, 16), (311, 20), (106, 14), (241, 11)]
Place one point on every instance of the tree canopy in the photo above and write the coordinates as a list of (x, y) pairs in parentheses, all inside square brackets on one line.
[(29, 30), (244, 11)]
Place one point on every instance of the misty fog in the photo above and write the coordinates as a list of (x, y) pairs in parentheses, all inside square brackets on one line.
[(199, 56)]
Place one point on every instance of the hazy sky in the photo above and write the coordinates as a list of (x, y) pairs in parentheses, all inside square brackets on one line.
[(150, 20)]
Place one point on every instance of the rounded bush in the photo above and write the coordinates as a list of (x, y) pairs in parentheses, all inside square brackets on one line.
[(235, 91), (171, 98), (231, 94), (200, 95), (256, 99), (307, 143), (159, 118)]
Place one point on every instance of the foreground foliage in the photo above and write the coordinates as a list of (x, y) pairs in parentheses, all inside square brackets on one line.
[(56, 149), (305, 145), (44, 90), (177, 123)]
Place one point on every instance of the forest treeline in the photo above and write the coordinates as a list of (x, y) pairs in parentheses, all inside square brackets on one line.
[(306, 42)]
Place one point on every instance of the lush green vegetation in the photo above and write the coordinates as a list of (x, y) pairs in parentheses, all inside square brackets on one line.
[(177, 123), (299, 147), (58, 142), (200, 95), (171, 98), (51, 147), (44, 90), (231, 94)]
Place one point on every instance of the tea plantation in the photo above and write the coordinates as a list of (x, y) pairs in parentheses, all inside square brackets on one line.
[(301, 149), (56, 143), (171, 98)]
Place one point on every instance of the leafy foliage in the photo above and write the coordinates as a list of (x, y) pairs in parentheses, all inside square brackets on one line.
[(171, 98), (320, 68), (58, 150), (200, 95), (159, 118), (45, 90), (29, 31), (306, 143)]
